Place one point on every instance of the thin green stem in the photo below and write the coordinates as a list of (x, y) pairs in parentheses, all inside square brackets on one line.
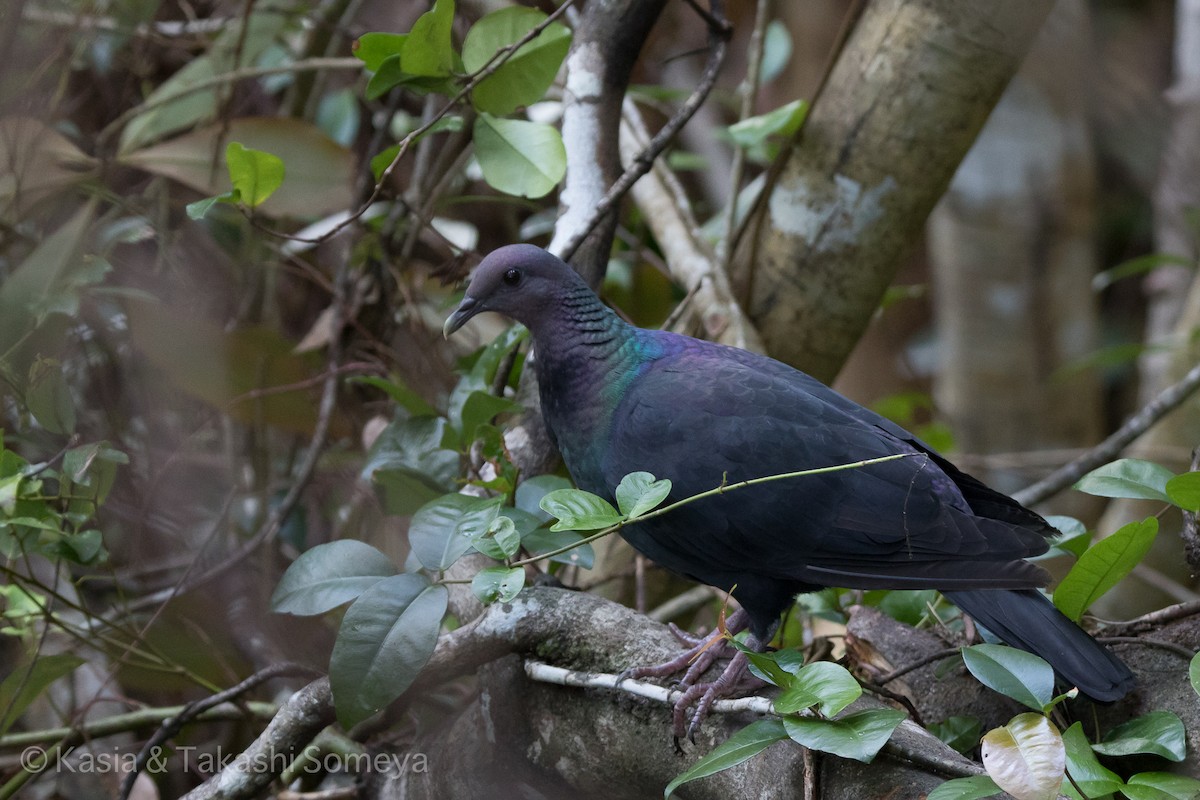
[(722, 489)]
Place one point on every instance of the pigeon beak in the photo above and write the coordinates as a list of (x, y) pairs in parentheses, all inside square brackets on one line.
[(468, 308)]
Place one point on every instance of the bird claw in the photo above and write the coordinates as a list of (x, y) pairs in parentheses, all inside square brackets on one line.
[(694, 662)]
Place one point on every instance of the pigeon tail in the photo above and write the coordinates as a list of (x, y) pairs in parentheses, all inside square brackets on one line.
[(1027, 620)]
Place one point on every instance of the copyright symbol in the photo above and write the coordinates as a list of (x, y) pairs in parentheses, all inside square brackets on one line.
[(33, 758)]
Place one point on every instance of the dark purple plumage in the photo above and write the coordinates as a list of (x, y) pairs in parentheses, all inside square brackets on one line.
[(618, 399)]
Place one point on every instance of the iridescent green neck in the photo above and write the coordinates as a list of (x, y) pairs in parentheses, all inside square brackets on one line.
[(586, 358)]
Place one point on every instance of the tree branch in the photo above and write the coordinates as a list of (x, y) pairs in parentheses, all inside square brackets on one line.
[(1167, 400), (300, 719), (691, 260)]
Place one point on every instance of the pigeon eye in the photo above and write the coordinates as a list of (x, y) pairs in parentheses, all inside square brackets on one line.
[(512, 277)]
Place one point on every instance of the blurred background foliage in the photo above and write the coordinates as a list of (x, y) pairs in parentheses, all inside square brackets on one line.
[(161, 376)]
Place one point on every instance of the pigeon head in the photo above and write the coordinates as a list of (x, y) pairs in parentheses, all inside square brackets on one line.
[(520, 281)]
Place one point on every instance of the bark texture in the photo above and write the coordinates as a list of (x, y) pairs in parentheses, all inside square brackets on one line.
[(906, 97)]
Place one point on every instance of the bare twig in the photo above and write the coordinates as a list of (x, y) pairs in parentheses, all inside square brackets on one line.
[(1110, 448), (483, 73), (718, 34), (692, 262), (916, 665), (748, 90), (1145, 641), (304, 715), (171, 726), (1160, 617)]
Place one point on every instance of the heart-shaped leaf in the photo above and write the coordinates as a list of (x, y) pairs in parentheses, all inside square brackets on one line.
[(526, 75), (518, 157), (859, 736), (492, 584), (639, 492), (443, 529), (577, 510)]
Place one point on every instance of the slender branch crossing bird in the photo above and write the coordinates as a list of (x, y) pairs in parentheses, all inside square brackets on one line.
[(620, 399)]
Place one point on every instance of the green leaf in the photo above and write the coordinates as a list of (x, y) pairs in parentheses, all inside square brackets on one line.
[(1194, 673), (1138, 266), (255, 175), (35, 289), (1184, 491), (1022, 676), (375, 48), (329, 575), (492, 584), (85, 547), (387, 76), (1160, 733), (1026, 758), (961, 733), (28, 680), (94, 465), (320, 173), (1153, 785), (1128, 477), (577, 510), (235, 46), (385, 639), (428, 50), (766, 667), (909, 607), (531, 491), (741, 746), (783, 121), (859, 736), (1103, 565), (49, 398), (1075, 538), (971, 788), (521, 158), (500, 541), (482, 373), (9, 487), (1092, 777), (400, 393), (409, 466), (478, 409), (777, 51), (442, 530), (524, 78), (639, 492), (832, 686), (199, 209)]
